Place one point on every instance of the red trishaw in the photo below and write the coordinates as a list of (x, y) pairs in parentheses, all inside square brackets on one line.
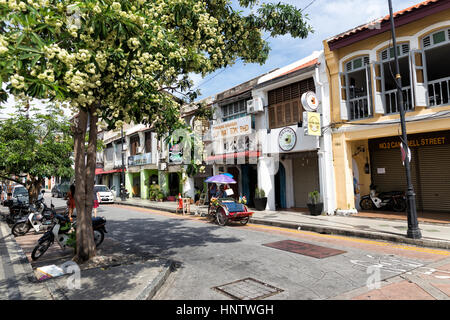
[(225, 208)]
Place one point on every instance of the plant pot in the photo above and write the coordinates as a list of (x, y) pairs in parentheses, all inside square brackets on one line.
[(260, 203), (315, 209)]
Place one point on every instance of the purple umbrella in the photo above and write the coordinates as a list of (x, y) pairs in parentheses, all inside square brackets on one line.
[(221, 178)]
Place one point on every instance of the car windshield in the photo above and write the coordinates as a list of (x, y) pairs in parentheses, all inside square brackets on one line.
[(101, 189), (64, 187), (20, 192)]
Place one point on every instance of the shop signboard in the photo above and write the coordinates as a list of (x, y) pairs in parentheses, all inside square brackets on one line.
[(287, 139), (232, 128), (140, 159), (313, 125), (175, 153), (414, 140)]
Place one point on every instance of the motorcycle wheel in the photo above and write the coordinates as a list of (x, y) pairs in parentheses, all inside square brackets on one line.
[(366, 204), (99, 236), (20, 228), (221, 218), (40, 249), (399, 205)]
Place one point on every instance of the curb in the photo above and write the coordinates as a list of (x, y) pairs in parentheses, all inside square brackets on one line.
[(440, 244), (149, 292), (429, 243)]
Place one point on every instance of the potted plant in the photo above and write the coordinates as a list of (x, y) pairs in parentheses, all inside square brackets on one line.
[(160, 196), (260, 199), (315, 206)]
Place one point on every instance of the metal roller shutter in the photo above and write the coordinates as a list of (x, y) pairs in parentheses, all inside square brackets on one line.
[(435, 177), (394, 178)]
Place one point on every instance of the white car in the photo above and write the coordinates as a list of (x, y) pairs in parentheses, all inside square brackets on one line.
[(105, 195)]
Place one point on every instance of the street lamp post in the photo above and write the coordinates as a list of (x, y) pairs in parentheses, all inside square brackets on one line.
[(122, 173), (413, 225)]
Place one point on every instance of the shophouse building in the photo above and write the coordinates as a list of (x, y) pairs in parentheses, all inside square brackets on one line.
[(365, 111)]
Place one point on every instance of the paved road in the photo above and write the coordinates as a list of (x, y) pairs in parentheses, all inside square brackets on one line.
[(211, 256)]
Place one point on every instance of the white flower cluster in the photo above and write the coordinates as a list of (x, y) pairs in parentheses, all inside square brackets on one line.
[(3, 45), (18, 82)]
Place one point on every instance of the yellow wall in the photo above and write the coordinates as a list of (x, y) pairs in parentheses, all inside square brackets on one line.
[(345, 144)]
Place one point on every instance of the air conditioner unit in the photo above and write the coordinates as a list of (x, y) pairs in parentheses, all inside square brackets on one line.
[(125, 147), (255, 105), (140, 149)]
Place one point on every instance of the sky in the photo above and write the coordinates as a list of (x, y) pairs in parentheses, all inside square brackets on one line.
[(327, 17)]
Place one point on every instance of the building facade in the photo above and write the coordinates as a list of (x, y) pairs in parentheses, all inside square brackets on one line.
[(365, 113)]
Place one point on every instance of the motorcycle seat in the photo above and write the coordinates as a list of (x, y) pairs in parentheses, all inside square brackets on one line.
[(98, 221), (391, 193)]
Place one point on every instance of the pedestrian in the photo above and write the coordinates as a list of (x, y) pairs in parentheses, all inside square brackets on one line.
[(71, 200), (96, 202)]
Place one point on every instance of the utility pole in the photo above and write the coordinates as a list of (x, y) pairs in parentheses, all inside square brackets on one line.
[(413, 225), (122, 173)]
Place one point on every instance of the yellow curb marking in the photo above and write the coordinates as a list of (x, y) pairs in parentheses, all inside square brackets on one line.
[(385, 244), (374, 242)]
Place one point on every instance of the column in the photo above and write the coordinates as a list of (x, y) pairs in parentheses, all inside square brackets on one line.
[(266, 180)]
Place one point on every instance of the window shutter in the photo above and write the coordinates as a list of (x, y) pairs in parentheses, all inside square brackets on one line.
[(296, 111), (280, 115), (378, 72), (272, 119), (419, 77), (369, 89), (287, 113), (343, 96)]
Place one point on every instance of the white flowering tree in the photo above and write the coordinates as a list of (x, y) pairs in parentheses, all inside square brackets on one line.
[(118, 61)]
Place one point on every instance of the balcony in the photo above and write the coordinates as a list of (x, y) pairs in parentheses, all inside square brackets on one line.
[(140, 159), (439, 92), (359, 108), (392, 103)]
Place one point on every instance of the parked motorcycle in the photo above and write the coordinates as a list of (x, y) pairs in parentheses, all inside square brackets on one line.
[(40, 218), (63, 231), (394, 200), (16, 211)]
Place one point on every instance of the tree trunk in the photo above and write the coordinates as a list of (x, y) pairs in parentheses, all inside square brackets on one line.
[(34, 187), (84, 183)]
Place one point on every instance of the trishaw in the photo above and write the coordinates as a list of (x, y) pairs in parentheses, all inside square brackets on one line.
[(225, 209)]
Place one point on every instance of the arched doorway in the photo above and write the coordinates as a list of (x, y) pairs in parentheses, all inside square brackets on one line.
[(280, 188)]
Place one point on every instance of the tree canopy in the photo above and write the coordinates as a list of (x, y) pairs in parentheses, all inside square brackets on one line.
[(35, 145), (118, 61)]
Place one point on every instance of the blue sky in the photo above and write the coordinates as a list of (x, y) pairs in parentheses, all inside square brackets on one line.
[(328, 18)]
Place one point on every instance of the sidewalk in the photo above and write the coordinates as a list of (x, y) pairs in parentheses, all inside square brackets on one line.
[(434, 235), (117, 272)]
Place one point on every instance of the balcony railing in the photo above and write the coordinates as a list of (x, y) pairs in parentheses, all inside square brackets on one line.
[(439, 92), (140, 159), (392, 103), (359, 108)]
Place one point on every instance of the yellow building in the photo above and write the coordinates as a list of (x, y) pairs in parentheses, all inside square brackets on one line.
[(365, 115)]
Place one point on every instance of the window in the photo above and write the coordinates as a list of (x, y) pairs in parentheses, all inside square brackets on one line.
[(385, 79), (436, 74), (148, 142), (234, 110), (109, 152), (134, 144), (285, 107), (356, 89)]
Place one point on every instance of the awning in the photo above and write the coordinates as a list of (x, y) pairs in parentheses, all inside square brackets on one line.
[(234, 155), (100, 171)]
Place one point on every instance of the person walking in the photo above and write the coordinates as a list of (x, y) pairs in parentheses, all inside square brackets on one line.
[(96, 203), (71, 200)]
